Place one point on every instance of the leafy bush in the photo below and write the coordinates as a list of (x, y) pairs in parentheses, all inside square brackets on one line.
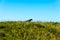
[(29, 30)]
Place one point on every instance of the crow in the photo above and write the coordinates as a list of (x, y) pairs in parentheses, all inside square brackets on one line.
[(2, 34), (29, 20), (1, 27)]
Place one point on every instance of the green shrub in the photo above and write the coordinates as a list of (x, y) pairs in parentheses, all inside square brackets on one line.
[(30, 30)]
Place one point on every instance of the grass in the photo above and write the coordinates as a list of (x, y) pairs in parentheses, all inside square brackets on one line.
[(29, 30)]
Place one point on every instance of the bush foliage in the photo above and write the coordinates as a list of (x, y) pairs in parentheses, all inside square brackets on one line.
[(29, 30)]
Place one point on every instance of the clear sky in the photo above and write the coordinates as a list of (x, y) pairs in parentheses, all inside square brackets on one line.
[(38, 10)]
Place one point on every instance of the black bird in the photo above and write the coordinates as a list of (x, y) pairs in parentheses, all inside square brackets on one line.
[(2, 34), (2, 27), (29, 20)]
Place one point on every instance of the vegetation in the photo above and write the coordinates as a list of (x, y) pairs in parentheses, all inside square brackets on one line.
[(29, 30)]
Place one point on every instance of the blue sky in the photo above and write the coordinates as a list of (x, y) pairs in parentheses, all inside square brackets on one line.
[(38, 10)]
